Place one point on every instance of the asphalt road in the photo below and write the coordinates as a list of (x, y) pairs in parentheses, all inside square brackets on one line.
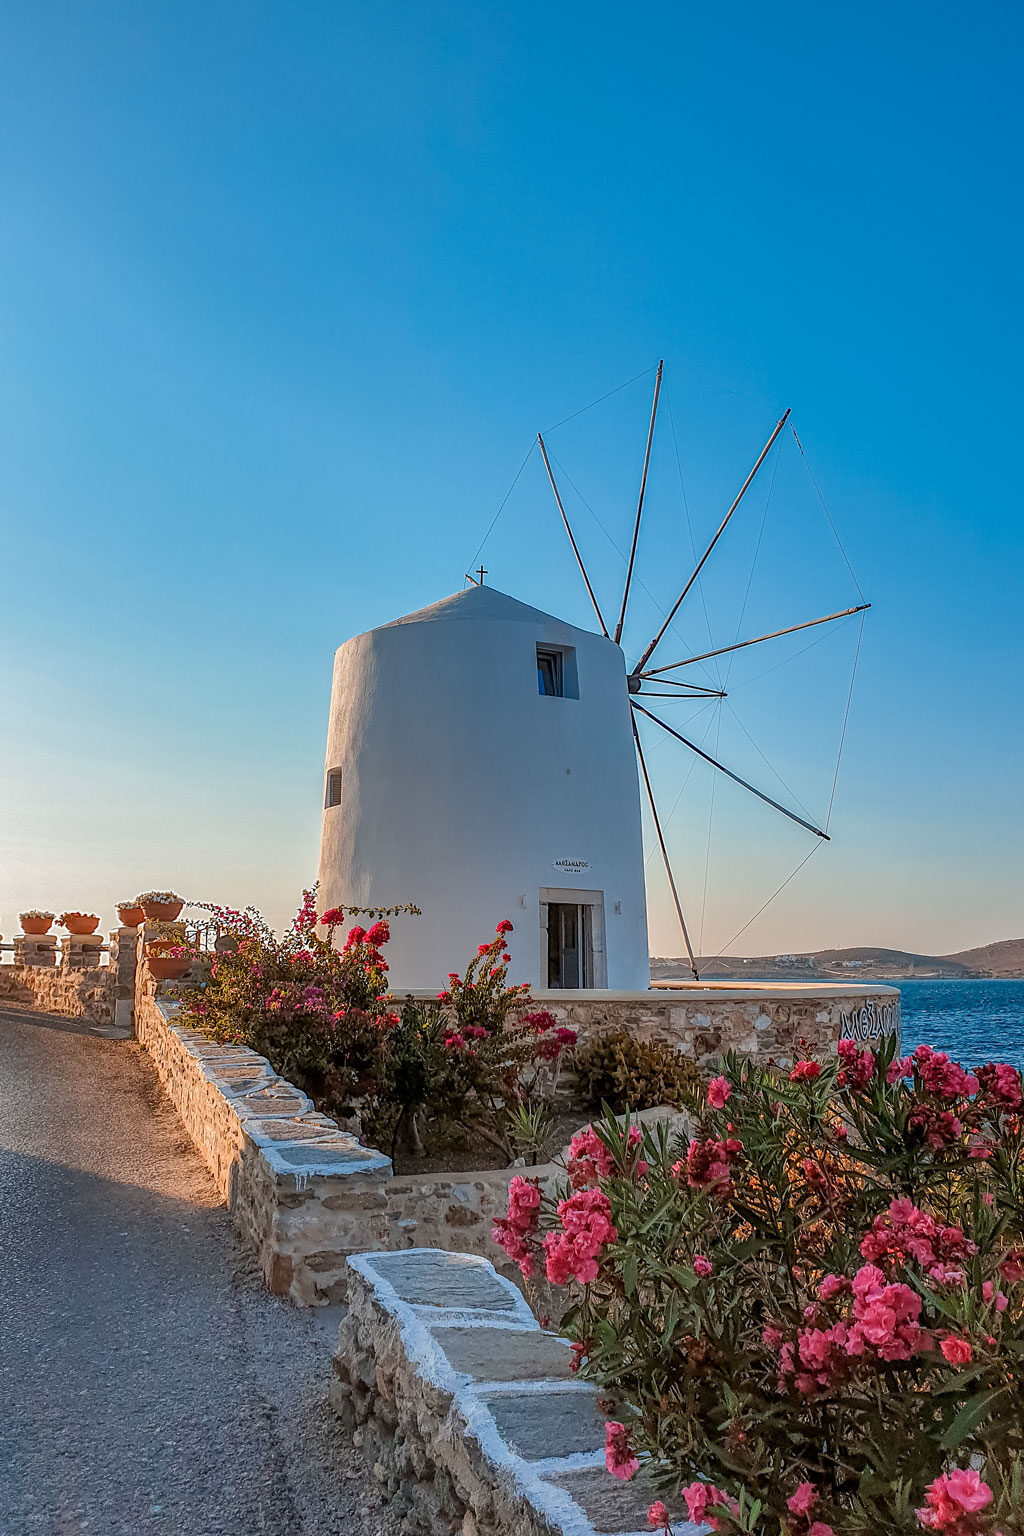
[(148, 1384)]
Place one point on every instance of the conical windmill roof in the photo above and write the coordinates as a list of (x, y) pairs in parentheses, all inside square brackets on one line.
[(477, 602)]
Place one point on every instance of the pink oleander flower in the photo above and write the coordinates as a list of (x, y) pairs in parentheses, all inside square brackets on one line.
[(990, 1294), (589, 1159), (708, 1164), (951, 1496), (803, 1500), (943, 1077), (820, 1528), (1012, 1267), (1002, 1084), (885, 1317), (719, 1091), (905, 1234), (700, 1497), (956, 1350), (805, 1072), (587, 1229), (657, 1516), (857, 1067), (702, 1267), (899, 1068), (516, 1231), (618, 1454)]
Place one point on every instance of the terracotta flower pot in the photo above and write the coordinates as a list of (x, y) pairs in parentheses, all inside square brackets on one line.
[(82, 925), (35, 924), (164, 968), (130, 917), (160, 946), (161, 911)]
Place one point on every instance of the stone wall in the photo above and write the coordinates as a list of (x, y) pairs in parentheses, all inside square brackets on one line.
[(703, 1020), (306, 1195), (456, 1210), (303, 1194), (72, 983), (466, 1411)]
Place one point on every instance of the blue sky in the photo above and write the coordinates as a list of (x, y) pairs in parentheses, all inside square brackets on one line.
[(287, 290)]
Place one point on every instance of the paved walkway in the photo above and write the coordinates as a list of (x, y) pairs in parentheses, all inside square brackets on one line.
[(148, 1385)]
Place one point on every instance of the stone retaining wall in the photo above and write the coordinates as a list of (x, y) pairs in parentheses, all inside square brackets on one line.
[(466, 1411), (703, 1020), (303, 1194), (77, 987)]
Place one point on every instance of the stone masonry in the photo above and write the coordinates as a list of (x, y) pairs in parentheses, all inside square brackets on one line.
[(303, 1194), (466, 1411), (77, 987)]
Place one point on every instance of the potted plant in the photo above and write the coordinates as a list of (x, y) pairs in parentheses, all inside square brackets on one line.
[(160, 906), (79, 922), (171, 965), (130, 913), (35, 922)]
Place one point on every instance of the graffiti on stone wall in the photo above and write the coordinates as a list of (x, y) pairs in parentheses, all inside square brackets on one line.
[(871, 1020)]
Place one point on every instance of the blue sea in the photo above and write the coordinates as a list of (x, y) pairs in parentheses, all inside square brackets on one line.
[(973, 1021)]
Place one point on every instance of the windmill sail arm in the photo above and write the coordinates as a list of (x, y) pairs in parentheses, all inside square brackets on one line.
[(645, 658), (664, 850), (572, 541), (730, 775), (724, 650), (640, 505)]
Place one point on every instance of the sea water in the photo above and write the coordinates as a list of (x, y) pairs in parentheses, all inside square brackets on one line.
[(973, 1021)]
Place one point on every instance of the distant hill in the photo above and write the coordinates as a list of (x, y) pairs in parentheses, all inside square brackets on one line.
[(1005, 959)]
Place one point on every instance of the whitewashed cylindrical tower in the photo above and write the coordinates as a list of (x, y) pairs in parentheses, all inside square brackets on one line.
[(480, 764)]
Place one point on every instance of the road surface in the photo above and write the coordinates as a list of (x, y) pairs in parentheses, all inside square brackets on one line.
[(148, 1384)]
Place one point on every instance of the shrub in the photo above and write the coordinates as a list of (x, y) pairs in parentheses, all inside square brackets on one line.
[(319, 1014), (474, 1064), (626, 1073), (809, 1317), (477, 1064)]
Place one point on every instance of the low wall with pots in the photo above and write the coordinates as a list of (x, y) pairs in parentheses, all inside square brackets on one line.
[(71, 981), (466, 1411), (304, 1195)]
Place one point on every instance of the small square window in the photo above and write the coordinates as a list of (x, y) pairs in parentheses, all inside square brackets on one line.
[(550, 673), (333, 795)]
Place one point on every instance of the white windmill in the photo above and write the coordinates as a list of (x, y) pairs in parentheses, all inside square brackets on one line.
[(482, 763)]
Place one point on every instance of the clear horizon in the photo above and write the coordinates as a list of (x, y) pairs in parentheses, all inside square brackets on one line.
[(287, 295)]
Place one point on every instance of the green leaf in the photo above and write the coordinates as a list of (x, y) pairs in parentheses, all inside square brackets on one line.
[(967, 1420)]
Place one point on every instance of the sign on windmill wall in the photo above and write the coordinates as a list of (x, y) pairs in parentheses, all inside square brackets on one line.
[(571, 866)]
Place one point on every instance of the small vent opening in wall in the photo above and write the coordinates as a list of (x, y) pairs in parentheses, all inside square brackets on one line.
[(333, 795)]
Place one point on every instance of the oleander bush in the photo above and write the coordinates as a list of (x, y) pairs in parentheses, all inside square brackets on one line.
[(808, 1318), (476, 1065), (626, 1073)]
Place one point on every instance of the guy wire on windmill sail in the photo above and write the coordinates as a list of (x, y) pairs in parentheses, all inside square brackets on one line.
[(528, 795)]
